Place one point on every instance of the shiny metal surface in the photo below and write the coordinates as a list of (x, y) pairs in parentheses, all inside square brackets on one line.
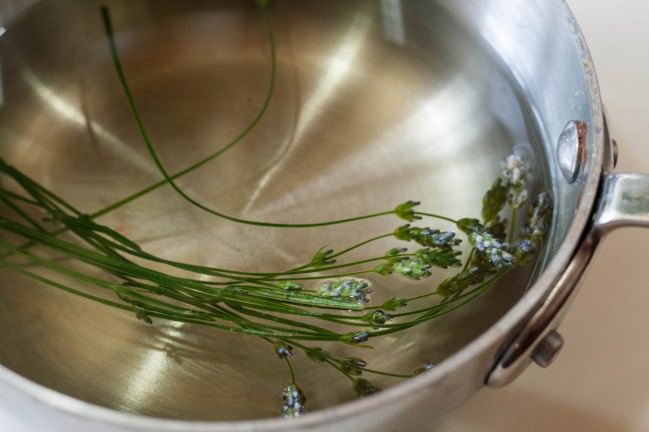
[(342, 137), (624, 202), (399, 96), (548, 349), (571, 149)]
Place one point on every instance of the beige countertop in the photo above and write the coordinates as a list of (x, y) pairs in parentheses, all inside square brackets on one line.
[(600, 381)]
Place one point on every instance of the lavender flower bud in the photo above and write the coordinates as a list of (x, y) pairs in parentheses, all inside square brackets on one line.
[(495, 251), (346, 289), (413, 268), (284, 351), (406, 211), (515, 174), (143, 316), (427, 237), (500, 258), (384, 269), (494, 201), (394, 254), (294, 401), (426, 367), (360, 337), (356, 338), (539, 217), (322, 258), (378, 316), (290, 286), (483, 241), (469, 225), (363, 387), (394, 303), (404, 232), (524, 252), (442, 258), (353, 365), (317, 354)]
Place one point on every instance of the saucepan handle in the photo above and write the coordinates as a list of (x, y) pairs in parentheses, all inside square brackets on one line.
[(623, 202)]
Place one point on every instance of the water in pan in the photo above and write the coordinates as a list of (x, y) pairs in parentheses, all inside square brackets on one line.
[(375, 102)]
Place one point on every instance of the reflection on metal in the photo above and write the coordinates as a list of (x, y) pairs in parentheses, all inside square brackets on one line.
[(11, 10), (625, 202), (149, 375), (443, 125), (146, 377), (548, 349), (399, 89), (571, 153), (69, 111), (337, 68), (440, 117), (393, 21)]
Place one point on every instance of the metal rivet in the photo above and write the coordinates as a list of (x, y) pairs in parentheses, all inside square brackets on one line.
[(548, 349), (615, 152), (571, 149)]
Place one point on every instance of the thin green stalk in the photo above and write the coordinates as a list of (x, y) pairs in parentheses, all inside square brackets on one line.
[(331, 362), (168, 178), (251, 126), (47, 281), (39, 193), (291, 370), (245, 275), (444, 311), (255, 303), (334, 276), (437, 306), (20, 212), (340, 253), (269, 276), (18, 197), (468, 260), (436, 216), (388, 374), (512, 226), (361, 244), (155, 307), (279, 320), (118, 267)]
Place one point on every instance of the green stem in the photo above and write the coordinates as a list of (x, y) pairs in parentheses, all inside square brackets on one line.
[(291, 370), (251, 126), (512, 226), (468, 260), (361, 244), (389, 374), (167, 177), (433, 313), (20, 212), (436, 216)]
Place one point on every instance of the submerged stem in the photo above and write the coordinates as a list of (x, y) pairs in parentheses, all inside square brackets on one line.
[(267, 305), (239, 138), (167, 177)]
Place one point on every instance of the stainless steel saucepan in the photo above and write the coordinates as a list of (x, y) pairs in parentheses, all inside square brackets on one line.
[(374, 100)]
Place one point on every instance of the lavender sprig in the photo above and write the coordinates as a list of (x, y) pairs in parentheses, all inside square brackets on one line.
[(251, 303), (308, 304)]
